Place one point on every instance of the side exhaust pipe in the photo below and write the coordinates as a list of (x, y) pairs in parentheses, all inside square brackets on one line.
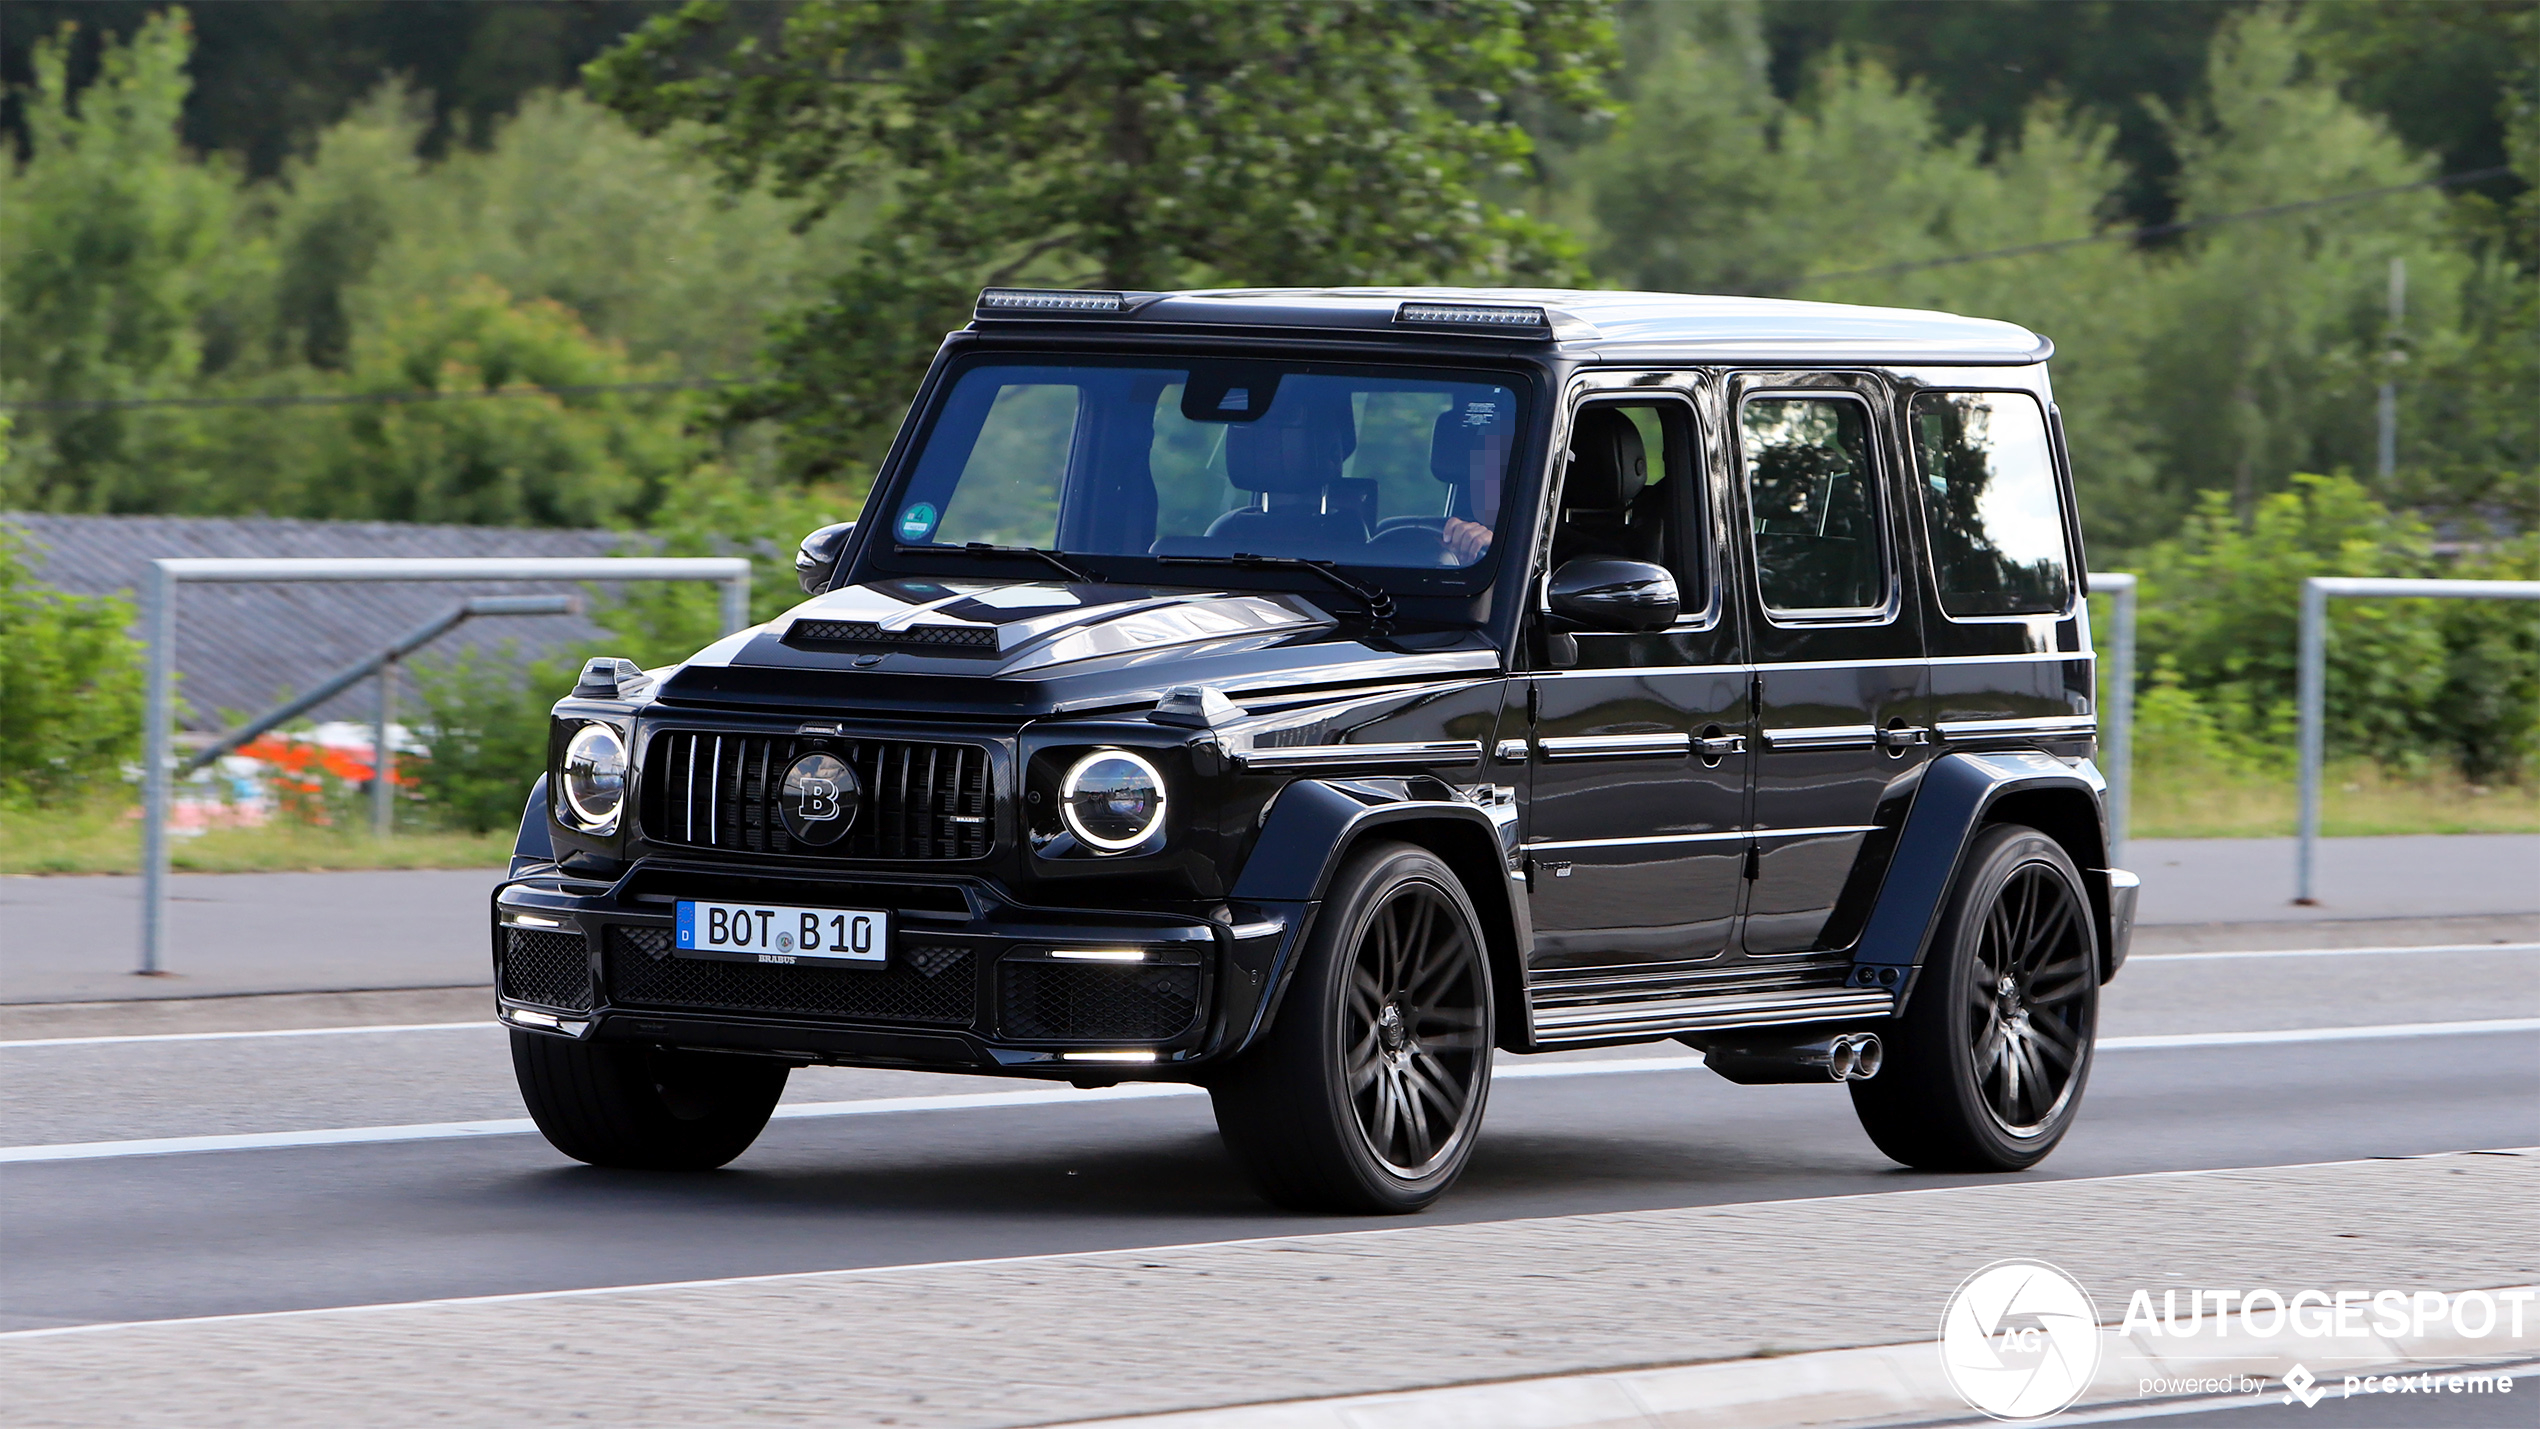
[(1762, 1061)]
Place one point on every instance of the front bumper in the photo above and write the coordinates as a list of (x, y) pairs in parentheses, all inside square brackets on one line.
[(974, 980)]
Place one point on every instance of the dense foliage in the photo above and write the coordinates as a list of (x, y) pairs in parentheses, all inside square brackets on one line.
[(1111, 143), (70, 687)]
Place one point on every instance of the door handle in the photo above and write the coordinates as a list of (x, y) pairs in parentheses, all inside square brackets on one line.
[(1897, 737), (1711, 746)]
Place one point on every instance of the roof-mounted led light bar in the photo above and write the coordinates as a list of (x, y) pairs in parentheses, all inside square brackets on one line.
[(1507, 319), (1049, 300)]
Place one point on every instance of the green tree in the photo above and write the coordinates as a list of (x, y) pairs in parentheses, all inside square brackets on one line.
[(1111, 143), (123, 274)]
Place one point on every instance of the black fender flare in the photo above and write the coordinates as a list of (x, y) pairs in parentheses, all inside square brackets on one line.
[(532, 845), (1313, 823), (1958, 794)]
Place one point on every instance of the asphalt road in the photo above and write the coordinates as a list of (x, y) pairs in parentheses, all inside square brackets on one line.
[(130, 1237)]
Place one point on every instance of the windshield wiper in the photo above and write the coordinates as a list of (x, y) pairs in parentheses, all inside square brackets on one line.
[(1378, 601), (1055, 561)]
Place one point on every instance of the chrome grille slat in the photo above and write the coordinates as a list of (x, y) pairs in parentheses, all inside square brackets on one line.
[(921, 800)]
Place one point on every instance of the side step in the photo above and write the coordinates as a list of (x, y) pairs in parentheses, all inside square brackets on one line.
[(1603, 1004)]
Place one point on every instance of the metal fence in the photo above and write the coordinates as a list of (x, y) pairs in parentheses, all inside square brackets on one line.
[(159, 627), (2311, 681)]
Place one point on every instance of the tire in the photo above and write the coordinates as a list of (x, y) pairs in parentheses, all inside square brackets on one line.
[(643, 1108), (1366, 1094), (1985, 1068)]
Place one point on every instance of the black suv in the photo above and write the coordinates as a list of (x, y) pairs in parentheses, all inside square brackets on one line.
[(1306, 693)]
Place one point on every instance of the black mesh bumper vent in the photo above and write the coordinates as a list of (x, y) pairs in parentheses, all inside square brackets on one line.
[(916, 801), (1095, 1002), (549, 969), (865, 635), (933, 985)]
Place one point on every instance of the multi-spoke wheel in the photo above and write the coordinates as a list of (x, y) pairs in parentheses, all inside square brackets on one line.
[(1987, 1065), (1367, 1092)]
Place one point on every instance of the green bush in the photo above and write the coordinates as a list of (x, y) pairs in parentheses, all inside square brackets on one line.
[(70, 687), (485, 717)]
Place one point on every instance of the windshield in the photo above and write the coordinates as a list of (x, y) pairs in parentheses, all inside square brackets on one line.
[(1389, 468)]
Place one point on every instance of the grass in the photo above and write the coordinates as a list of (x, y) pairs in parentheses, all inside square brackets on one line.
[(106, 839), (2357, 799)]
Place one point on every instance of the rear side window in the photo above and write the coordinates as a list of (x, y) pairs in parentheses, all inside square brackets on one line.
[(1991, 503), (1814, 497)]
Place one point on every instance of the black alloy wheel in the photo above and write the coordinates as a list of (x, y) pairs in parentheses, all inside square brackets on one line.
[(1367, 1092), (644, 1108), (1986, 1067)]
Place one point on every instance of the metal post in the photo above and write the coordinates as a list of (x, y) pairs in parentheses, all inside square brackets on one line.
[(736, 602), (2310, 697), (383, 757), (158, 714), (2119, 715)]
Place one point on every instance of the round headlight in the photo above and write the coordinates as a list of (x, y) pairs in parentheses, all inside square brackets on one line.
[(595, 777), (1112, 799)]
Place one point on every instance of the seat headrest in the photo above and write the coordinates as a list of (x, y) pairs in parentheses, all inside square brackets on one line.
[(1465, 445), (1297, 446), (1608, 466)]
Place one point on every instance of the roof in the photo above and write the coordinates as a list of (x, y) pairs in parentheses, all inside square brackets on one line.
[(241, 648), (1603, 326)]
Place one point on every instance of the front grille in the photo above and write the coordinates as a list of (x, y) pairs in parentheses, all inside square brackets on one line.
[(918, 801), (929, 983), (1095, 1002), (549, 969), (941, 639)]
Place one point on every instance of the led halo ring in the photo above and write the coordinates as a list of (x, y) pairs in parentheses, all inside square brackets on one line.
[(1072, 786), (593, 778)]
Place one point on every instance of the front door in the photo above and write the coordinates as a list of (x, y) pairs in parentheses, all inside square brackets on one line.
[(1635, 841), (1840, 675)]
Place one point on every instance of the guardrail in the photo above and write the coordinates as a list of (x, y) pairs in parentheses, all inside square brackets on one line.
[(159, 628), (2118, 735)]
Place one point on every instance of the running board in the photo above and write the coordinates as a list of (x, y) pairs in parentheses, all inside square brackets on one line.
[(1668, 1016)]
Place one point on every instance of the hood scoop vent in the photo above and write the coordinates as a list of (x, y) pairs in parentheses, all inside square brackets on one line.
[(980, 640)]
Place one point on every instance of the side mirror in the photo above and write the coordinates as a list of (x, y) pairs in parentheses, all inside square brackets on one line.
[(819, 556), (1606, 594)]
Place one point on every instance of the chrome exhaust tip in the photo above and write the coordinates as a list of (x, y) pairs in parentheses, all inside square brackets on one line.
[(1867, 1056), (1841, 1060)]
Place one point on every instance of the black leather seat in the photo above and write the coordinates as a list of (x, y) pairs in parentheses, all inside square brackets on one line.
[(1295, 451), (1608, 469)]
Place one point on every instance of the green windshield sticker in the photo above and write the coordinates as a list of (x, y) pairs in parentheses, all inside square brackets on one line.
[(917, 522)]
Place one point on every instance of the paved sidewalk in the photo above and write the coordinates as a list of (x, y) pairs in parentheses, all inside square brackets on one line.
[(1061, 1337), (76, 939)]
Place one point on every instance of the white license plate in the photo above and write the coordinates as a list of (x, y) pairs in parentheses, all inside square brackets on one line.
[(759, 932)]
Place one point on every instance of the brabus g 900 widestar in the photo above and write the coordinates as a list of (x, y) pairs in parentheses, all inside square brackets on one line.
[(1309, 694)]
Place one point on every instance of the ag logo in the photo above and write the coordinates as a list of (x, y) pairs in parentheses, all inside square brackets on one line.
[(2020, 1340), (819, 799)]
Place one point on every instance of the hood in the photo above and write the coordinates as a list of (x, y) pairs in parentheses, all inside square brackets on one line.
[(1051, 647)]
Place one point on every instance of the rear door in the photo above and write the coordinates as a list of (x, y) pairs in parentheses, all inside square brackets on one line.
[(1840, 677)]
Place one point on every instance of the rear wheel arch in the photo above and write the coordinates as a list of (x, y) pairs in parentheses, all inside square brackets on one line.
[(2071, 818)]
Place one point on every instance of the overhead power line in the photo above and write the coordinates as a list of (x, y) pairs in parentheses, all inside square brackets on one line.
[(348, 399), (2156, 230)]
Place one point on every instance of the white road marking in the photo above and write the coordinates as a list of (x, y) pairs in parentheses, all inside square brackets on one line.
[(235, 1036), (1135, 1091), (2334, 952), (780, 1277)]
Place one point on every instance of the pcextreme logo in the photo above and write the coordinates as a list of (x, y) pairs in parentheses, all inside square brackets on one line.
[(2019, 1339)]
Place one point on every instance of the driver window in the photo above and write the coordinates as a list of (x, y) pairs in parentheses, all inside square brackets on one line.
[(1630, 492)]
